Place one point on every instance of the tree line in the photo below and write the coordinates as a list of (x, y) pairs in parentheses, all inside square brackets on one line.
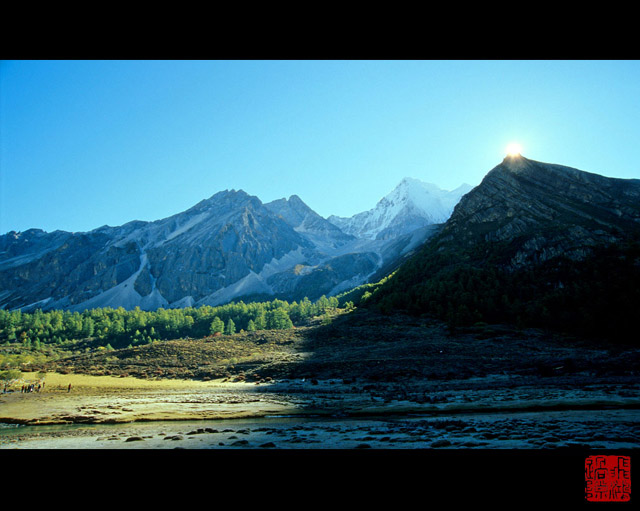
[(117, 327)]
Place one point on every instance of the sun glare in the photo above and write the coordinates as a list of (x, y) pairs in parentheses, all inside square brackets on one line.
[(514, 149)]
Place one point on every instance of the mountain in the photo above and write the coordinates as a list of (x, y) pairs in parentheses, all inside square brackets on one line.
[(178, 260), (411, 205), (535, 243), (230, 246), (537, 211)]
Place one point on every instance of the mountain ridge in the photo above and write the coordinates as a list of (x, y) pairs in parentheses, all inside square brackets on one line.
[(520, 195), (224, 247)]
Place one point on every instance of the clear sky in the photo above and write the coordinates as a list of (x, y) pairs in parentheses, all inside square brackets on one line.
[(89, 143)]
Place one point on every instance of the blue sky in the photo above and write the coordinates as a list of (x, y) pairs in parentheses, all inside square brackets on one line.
[(89, 143)]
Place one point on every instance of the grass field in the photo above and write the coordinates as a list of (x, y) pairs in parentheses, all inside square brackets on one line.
[(55, 382)]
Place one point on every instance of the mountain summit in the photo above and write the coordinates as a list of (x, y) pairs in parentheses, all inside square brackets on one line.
[(411, 205), (304, 220), (542, 210)]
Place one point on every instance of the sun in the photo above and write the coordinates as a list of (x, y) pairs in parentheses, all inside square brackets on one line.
[(514, 149)]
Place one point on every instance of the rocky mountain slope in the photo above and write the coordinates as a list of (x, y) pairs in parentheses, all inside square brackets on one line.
[(227, 247), (543, 210), (307, 222), (180, 259)]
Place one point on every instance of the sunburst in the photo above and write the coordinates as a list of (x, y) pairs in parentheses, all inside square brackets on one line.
[(514, 149)]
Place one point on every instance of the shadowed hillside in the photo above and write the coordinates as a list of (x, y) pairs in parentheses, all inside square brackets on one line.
[(363, 346), (534, 244)]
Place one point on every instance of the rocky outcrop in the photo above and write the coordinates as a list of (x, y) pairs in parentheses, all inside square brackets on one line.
[(532, 212)]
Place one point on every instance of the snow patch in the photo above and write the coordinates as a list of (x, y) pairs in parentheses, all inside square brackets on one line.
[(4, 294), (35, 305), (410, 200), (186, 301), (137, 236), (23, 259)]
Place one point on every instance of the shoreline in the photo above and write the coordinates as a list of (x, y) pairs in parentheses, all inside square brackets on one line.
[(573, 431)]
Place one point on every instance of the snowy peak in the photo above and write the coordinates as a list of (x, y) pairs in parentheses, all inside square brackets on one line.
[(434, 203), (411, 205)]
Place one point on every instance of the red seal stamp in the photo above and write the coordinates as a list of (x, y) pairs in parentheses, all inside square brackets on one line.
[(607, 478)]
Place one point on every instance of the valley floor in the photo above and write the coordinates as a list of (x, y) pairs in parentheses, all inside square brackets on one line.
[(362, 381), (499, 411)]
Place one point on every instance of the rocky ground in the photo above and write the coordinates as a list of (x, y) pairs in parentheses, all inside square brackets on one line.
[(570, 430)]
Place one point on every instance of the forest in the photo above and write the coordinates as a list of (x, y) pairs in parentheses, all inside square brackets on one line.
[(118, 328), (594, 297)]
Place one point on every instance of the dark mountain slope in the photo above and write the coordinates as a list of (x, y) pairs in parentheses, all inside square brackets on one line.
[(534, 244), (541, 210)]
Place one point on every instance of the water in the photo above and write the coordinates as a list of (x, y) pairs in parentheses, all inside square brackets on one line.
[(600, 429)]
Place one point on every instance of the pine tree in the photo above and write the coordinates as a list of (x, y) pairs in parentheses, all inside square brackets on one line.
[(230, 328), (217, 326), (278, 319), (261, 321), (251, 326), (322, 304)]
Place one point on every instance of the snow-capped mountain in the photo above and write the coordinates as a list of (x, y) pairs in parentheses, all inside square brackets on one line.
[(227, 247), (411, 205)]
